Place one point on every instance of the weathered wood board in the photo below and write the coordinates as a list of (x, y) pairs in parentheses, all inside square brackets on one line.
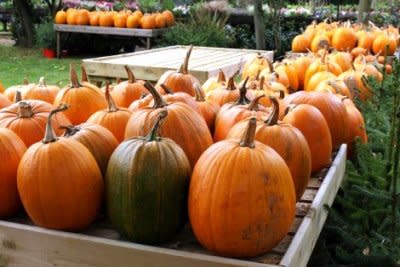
[(22, 244), (149, 65)]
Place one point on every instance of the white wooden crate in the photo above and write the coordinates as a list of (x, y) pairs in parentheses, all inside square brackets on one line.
[(149, 65), (22, 244)]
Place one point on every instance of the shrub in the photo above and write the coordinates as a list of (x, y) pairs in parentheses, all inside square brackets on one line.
[(45, 35)]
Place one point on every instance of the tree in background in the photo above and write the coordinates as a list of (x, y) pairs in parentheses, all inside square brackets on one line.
[(364, 7), (259, 24)]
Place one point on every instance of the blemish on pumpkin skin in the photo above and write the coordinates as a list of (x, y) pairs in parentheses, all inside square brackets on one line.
[(9, 244)]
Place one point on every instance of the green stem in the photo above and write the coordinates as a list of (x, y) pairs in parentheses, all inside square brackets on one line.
[(50, 136), (247, 139), (153, 134)]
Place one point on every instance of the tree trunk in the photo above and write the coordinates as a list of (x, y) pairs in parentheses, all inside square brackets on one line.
[(23, 8), (259, 25), (364, 7)]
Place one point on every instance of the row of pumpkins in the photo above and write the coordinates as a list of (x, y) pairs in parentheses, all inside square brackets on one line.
[(232, 156), (355, 38), (121, 19)]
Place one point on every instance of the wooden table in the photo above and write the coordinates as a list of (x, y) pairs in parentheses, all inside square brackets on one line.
[(149, 65), (143, 33), (22, 244)]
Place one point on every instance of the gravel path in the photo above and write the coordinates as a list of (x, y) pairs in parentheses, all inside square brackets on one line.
[(6, 40)]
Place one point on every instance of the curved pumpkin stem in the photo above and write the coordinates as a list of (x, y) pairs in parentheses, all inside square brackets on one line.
[(254, 103), (131, 77), (84, 74), (42, 82), (70, 130), (231, 84), (273, 118), (153, 134), (185, 66), (247, 139), (24, 110), (221, 76), (262, 83), (73, 76), (18, 96), (243, 100), (50, 136), (167, 89), (159, 101), (112, 107), (199, 94)]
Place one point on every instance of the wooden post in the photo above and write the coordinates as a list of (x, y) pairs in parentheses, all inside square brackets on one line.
[(364, 7), (58, 44), (259, 25)]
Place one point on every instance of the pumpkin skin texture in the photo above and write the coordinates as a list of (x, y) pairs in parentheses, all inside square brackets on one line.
[(226, 94), (300, 44), (344, 39), (181, 80), (331, 107), (207, 109), (238, 215), (28, 120), (42, 91), (356, 123), (172, 97), (100, 141), (4, 102), (312, 124), (61, 17), (285, 139), (12, 149), (147, 181), (169, 17), (183, 125), (84, 100), (113, 118), (59, 182)]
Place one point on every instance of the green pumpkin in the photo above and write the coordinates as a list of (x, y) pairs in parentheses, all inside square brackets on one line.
[(146, 187)]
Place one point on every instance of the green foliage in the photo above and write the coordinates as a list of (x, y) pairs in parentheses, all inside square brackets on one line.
[(204, 28), (149, 6), (362, 228), (45, 35)]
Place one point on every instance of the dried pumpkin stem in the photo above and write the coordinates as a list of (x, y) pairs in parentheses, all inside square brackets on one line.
[(243, 100), (185, 66), (199, 94), (247, 139), (289, 108), (254, 103), (70, 130), (84, 74), (262, 83), (131, 77), (73, 76), (159, 101), (50, 136), (167, 89), (25, 81), (221, 76), (273, 118), (42, 82), (231, 84), (24, 110), (18, 96), (112, 107), (153, 134)]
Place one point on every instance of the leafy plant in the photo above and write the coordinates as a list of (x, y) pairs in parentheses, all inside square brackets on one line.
[(149, 6), (45, 35)]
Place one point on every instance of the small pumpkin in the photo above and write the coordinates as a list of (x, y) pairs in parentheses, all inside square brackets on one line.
[(300, 44), (59, 182), (237, 215), (94, 18), (120, 20), (253, 67), (172, 97), (61, 17), (41, 91), (11, 91), (380, 43), (169, 17), (214, 82), (344, 39), (148, 21), (82, 17), (226, 93), (133, 21), (106, 19)]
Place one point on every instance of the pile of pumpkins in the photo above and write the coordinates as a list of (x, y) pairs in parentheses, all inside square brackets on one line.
[(232, 156), (355, 38), (121, 19)]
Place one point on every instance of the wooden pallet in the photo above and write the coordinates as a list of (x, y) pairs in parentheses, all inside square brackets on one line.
[(22, 244), (149, 65)]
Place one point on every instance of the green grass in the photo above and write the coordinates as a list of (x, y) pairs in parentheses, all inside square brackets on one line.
[(17, 63)]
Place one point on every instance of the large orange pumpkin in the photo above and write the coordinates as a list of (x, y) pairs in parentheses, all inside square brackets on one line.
[(344, 39), (28, 120), (113, 118), (59, 182), (234, 210), (148, 21), (300, 44), (285, 139), (172, 97), (169, 17), (133, 21), (84, 100), (106, 19), (12, 149), (94, 18), (82, 17), (380, 43), (41, 91), (312, 124), (61, 17), (183, 125), (181, 80)]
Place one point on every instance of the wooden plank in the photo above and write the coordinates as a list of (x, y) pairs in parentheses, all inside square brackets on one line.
[(298, 253)]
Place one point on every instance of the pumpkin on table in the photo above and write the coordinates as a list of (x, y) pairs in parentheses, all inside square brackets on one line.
[(59, 182), (12, 149), (146, 187), (238, 215)]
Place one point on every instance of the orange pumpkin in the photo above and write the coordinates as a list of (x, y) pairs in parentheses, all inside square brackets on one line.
[(61, 17), (72, 16), (10, 92), (113, 118), (120, 20), (49, 174), (100, 141), (300, 44), (94, 18), (128, 91), (357, 51), (160, 21), (237, 215), (207, 109), (285, 139), (181, 80), (28, 120), (357, 83), (82, 17), (321, 66), (214, 82), (334, 86), (172, 97), (344, 39), (169, 17), (253, 67), (133, 21), (343, 59), (320, 42), (84, 100), (226, 94), (12, 149), (41, 91), (301, 65), (365, 40), (4, 102), (318, 136), (380, 43), (106, 19), (148, 21)]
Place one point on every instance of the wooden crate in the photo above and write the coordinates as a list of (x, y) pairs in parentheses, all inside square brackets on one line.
[(22, 244), (149, 65)]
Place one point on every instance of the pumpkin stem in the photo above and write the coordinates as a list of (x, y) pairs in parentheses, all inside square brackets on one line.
[(270, 66), (159, 101), (24, 110), (70, 130), (42, 82), (18, 96), (281, 94), (254, 103), (221, 76), (112, 107), (231, 84), (84, 74), (25, 81), (247, 139), (289, 108), (262, 83), (118, 80), (167, 89), (50, 136), (199, 94), (73, 76), (185, 66), (153, 134), (131, 77), (243, 100), (273, 118)]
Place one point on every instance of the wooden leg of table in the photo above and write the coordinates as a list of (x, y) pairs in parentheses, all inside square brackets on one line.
[(58, 45), (148, 43)]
